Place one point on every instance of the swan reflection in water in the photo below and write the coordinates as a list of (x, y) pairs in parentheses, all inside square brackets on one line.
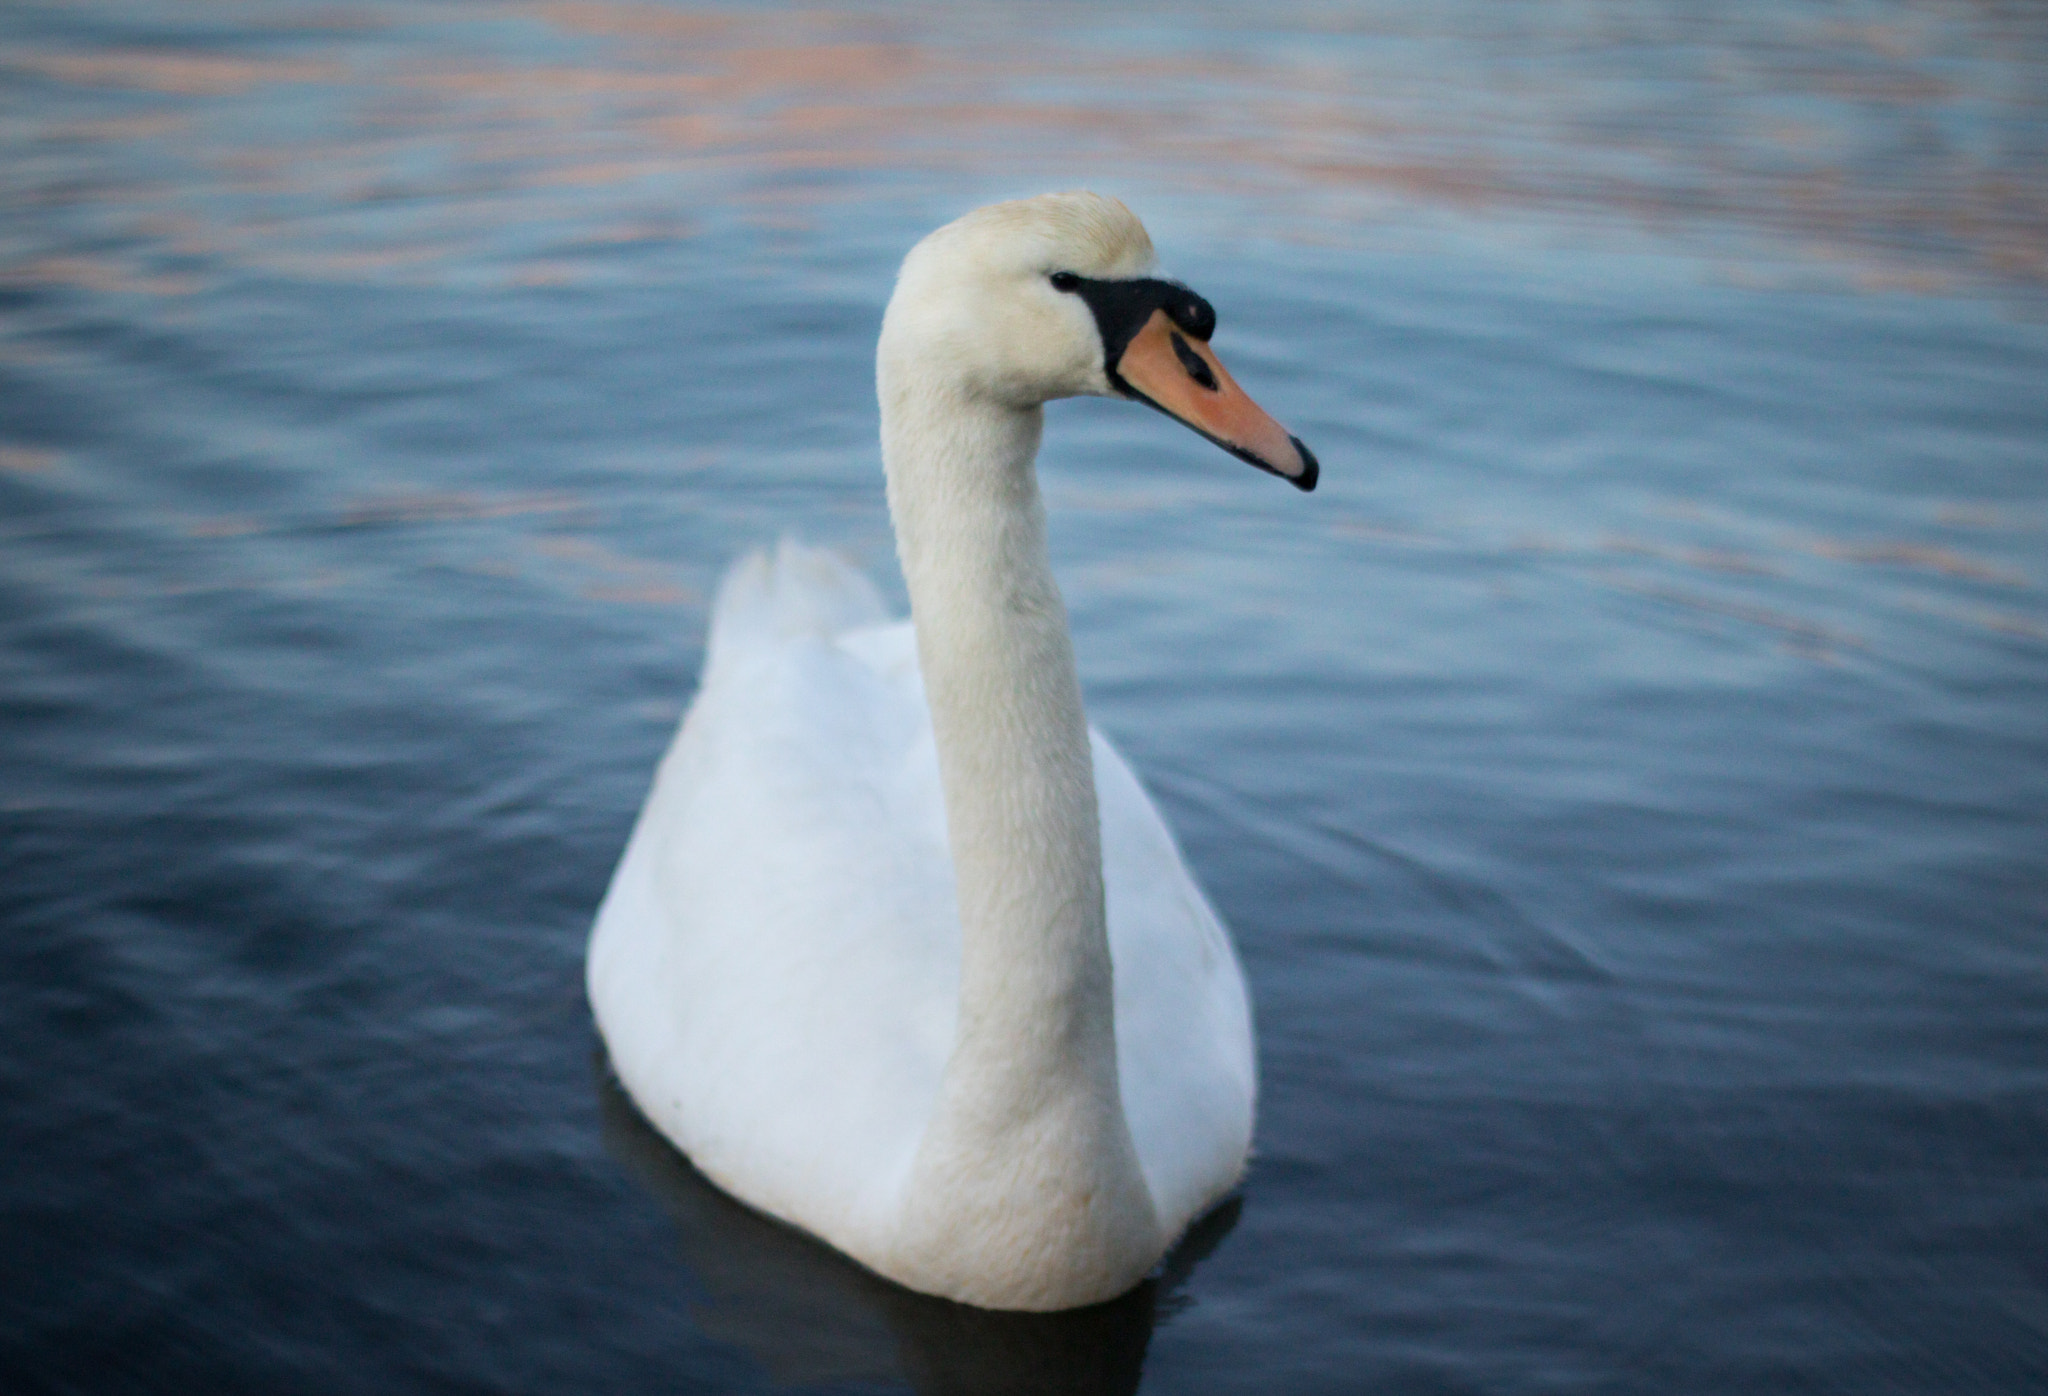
[(810, 1316)]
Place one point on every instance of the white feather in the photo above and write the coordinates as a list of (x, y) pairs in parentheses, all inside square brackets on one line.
[(777, 967)]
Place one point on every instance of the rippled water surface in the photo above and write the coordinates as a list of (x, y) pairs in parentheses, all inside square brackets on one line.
[(1627, 777)]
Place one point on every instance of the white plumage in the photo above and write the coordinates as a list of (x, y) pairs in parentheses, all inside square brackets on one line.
[(852, 960)]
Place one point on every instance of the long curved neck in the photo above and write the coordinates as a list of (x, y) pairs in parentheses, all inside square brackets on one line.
[(1030, 1103), (1006, 710)]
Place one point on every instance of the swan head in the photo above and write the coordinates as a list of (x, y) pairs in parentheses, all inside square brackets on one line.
[(1058, 296)]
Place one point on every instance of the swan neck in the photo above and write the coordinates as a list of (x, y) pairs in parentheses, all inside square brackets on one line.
[(998, 666), (1029, 1106)]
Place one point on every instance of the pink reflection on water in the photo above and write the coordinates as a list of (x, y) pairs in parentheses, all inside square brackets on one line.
[(405, 144)]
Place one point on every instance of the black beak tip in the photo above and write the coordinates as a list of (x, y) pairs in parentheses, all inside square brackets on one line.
[(1310, 471)]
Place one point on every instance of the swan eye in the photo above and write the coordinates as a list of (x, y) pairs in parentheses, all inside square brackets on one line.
[(1065, 281)]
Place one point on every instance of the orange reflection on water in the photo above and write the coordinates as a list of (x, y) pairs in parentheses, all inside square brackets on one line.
[(1895, 156)]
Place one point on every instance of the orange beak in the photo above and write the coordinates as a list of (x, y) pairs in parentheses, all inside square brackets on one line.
[(1180, 375)]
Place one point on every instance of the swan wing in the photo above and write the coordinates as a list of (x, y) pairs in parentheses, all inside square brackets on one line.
[(775, 968), (775, 964), (1185, 1056)]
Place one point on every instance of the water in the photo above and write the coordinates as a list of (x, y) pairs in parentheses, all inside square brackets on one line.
[(1626, 777)]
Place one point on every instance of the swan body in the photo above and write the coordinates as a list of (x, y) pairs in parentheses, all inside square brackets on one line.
[(899, 950)]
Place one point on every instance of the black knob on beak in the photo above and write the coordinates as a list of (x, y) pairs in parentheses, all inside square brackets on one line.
[(1191, 313)]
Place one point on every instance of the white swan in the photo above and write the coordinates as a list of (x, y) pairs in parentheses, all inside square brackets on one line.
[(899, 951)]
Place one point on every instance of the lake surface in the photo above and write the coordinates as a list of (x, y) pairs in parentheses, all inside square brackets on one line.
[(1626, 777)]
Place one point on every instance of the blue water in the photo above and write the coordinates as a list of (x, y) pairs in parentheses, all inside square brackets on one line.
[(1626, 777)]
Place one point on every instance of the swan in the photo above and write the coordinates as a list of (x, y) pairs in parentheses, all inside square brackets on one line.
[(899, 951)]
